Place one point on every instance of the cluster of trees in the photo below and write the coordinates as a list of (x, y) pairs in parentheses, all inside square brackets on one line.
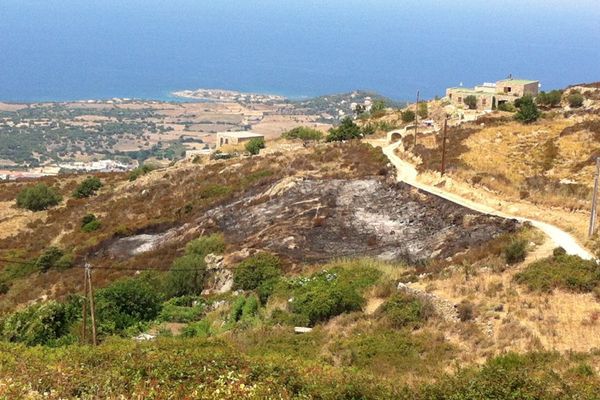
[(253, 146)]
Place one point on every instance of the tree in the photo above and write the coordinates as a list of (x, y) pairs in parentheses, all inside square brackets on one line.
[(187, 276), (303, 133), (550, 99), (37, 198), (471, 102), (408, 116), (88, 187), (528, 111), (347, 130), (575, 99), (126, 303), (251, 273), (254, 145), (423, 110)]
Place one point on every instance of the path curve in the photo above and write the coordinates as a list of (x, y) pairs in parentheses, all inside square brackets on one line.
[(407, 173)]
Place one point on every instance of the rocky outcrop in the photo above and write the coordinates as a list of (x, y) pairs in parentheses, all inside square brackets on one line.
[(219, 278)]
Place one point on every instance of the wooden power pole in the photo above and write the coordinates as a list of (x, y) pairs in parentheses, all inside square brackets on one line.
[(443, 170), (593, 217), (89, 298), (416, 118)]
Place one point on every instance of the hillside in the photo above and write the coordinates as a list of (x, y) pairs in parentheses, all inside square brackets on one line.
[(399, 293)]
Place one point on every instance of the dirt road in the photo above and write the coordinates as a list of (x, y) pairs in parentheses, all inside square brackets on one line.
[(407, 173)]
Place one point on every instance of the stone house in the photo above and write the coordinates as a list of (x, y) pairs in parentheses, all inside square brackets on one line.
[(490, 95), (235, 138)]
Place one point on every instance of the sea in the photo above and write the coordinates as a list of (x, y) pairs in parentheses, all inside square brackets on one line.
[(58, 50)]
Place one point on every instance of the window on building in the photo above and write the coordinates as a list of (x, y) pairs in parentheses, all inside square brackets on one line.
[(484, 101), (507, 89), (460, 99)]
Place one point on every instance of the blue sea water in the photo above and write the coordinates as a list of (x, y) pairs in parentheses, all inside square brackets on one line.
[(83, 49)]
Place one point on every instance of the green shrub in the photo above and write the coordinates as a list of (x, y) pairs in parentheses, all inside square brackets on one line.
[(237, 308), (562, 271), (471, 102), (126, 303), (183, 309), (87, 188), (303, 133), (187, 276), (559, 251), (516, 251), (90, 223), (41, 324), (37, 198), (4, 287), (197, 329), (550, 99), (255, 270), (206, 245), (507, 107), (53, 257), (404, 310), (250, 308), (575, 99), (255, 145), (423, 110), (330, 292), (139, 171), (528, 111), (408, 116), (347, 130)]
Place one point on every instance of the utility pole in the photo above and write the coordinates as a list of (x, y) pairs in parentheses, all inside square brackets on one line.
[(84, 307), (595, 200), (416, 118), (89, 297), (443, 171)]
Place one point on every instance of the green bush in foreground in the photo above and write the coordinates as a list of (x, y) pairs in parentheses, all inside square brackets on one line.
[(125, 304), (187, 276), (561, 271), (87, 188), (38, 198), (528, 111), (41, 324)]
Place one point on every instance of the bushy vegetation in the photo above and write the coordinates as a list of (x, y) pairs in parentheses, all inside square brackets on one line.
[(561, 271), (516, 251), (328, 293), (53, 257), (205, 245), (528, 111), (48, 324), (183, 309), (38, 198), (471, 102), (403, 310), (575, 99), (253, 146), (140, 171), (87, 188), (126, 304), (347, 130), (259, 272), (549, 99), (407, 116), (507, 107), (303, 133), (90, 223), (188, 273)]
